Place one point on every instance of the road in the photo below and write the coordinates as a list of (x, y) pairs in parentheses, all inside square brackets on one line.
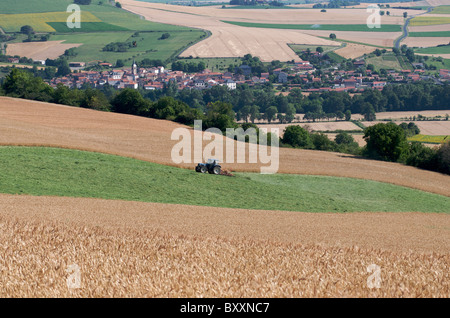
[(405, 28)]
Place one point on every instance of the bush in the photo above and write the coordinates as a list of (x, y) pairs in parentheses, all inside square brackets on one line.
[(164, 36), (386, 142), (297, 136), (83, 2)]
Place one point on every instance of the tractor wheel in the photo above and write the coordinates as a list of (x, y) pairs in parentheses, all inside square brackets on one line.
[(203, 169), (216, 170), (197, 169)]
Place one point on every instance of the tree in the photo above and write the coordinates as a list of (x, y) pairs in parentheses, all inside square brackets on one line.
[(83, 2), (220, 115), (333, 36), (297, 136), (270, 113), (348, 115), (120, 63), (443, 158), (63, 68), (322, 142), (164, 36), (344, 138), (130, 101), (254, 113), (22, 84), (290, 113), (386, 142), (26, 29), (118, 5), (405, 14), (319, 49)]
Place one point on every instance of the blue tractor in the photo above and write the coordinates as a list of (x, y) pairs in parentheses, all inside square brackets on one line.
[(212, 166)]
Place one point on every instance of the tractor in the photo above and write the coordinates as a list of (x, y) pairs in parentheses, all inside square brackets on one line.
[(212, 166)]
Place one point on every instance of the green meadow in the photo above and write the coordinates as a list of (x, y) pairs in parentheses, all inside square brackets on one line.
[(61, 172)]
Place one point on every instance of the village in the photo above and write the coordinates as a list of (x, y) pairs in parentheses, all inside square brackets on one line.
[(300, 75)]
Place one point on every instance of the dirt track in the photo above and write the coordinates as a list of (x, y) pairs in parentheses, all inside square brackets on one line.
[(33, 123), (132, 249)]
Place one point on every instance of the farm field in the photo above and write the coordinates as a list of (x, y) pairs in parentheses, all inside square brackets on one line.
[(389, 62), (405, 115), (150, 140), (429, 28), (324, 27), (211, 252), (353, 50), (436, 128), (179, 250), (384, 39), (40, 50), (430, 139), (425, 42), (435, 50), (95, 42), (441, 10), (101, 25), (84, 174), (13, 23), (434, 34), (430, 20), (231, 41), (316, 126)]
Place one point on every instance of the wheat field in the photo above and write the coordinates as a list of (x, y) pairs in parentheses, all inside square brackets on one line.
[(130, 249)]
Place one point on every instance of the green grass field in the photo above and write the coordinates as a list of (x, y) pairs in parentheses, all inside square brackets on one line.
[(31, 6), (435, 34), (100, 25), (430, 139), (61, 27), (441, 10), (302, 47), (148, 45), (214, 64), (329, 27), (62, 172), (385, 61), (435, 50), (419, 21)]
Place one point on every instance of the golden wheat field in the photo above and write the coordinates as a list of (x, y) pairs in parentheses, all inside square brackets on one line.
[(39, 50), (121, 251), (228, 40)]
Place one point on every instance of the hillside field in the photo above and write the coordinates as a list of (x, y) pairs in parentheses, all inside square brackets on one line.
[(62, 207), (150, 140), (62, 172)]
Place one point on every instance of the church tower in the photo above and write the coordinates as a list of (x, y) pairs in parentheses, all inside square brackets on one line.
[(134, 68)]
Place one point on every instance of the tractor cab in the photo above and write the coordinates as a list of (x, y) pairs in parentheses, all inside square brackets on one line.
[(211, 166)]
